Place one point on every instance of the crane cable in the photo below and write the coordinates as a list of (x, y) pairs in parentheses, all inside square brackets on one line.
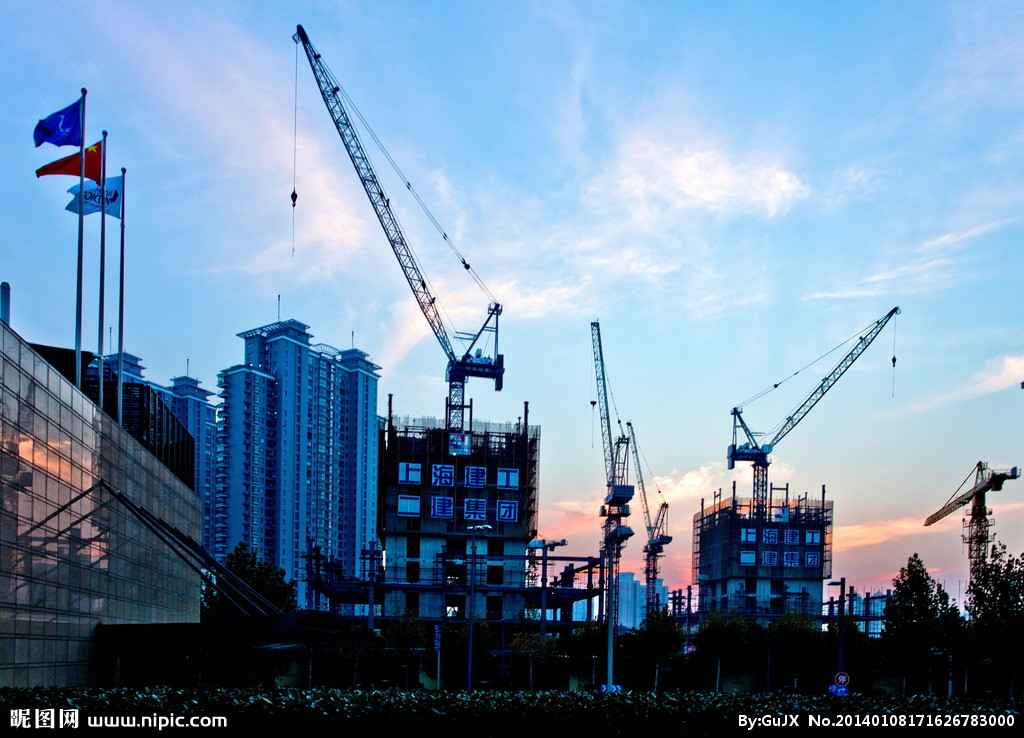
[(650, 472), (973, 472), (295, 146), (415, 194), (894, 357), (858, 334)]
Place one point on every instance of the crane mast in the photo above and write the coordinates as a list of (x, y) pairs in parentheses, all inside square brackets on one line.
[(756, 452), (615, 456), (460, 366), (618, 493), (657, 530)]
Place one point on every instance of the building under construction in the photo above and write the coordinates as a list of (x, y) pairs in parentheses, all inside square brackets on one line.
[(763, 560), (457, 511)]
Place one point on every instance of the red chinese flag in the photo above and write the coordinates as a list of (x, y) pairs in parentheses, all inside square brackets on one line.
[(72, 164)]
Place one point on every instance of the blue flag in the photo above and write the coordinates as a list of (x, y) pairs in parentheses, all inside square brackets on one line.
[(63, 128)]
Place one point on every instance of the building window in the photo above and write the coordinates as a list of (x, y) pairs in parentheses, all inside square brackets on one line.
[(455, 573), (476, 476), (792, 537), (442, 475), (475, 509), (494, 608), (442, 507), (791, 558), (409, 506), (770, 558), (748, 535), (770, 536), (495, 575), (507, 511), (748, 558), (454, 606), (412, 571), (508, 478), (813, 537)]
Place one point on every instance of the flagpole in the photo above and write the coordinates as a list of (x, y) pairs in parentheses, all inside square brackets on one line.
[(103, 265), (120, 312), (81, 247)]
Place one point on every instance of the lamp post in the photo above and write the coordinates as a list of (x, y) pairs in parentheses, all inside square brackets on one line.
[(469, 605), (544, 546), (842, 622)]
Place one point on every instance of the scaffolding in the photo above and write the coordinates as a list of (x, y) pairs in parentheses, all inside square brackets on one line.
[(763, 560)]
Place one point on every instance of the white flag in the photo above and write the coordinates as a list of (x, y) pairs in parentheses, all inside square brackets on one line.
[(92, 197)]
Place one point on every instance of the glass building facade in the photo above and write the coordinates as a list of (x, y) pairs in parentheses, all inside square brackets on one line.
[(71, 555)]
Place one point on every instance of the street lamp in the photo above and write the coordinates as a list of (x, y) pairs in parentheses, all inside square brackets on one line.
[(469, 606), (842, 622), (545, 546)]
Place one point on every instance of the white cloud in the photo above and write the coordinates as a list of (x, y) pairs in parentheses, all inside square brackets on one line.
[(948, 240), (998, 375), (985, 62), (931, 267), (855, 182), (845, 537), (649, 176), (543, 301)]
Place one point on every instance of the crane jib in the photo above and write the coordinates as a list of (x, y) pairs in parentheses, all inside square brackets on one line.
[(757, 452), (458, 369)]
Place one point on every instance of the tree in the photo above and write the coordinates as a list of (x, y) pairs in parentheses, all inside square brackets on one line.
[(535, 649), (261, 575), (796, 647), (995, 601), (406, 640), (657, 640), (586, 648), (348, 658), (918, 619), (725, 644)]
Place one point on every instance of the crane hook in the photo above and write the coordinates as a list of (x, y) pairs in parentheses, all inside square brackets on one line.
[(295, 196)]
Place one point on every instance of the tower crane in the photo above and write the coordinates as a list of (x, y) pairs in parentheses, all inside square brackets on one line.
[(618, 492), (461, 365), (657, 530), (756, 452), (616, 458), (977, 536), (616, 501)]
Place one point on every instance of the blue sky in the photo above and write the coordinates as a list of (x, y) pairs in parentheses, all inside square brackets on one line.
[(732, 189)]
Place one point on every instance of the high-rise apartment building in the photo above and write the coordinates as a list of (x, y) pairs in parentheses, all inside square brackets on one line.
[(297, 454), (187, 401), (190, 404)]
